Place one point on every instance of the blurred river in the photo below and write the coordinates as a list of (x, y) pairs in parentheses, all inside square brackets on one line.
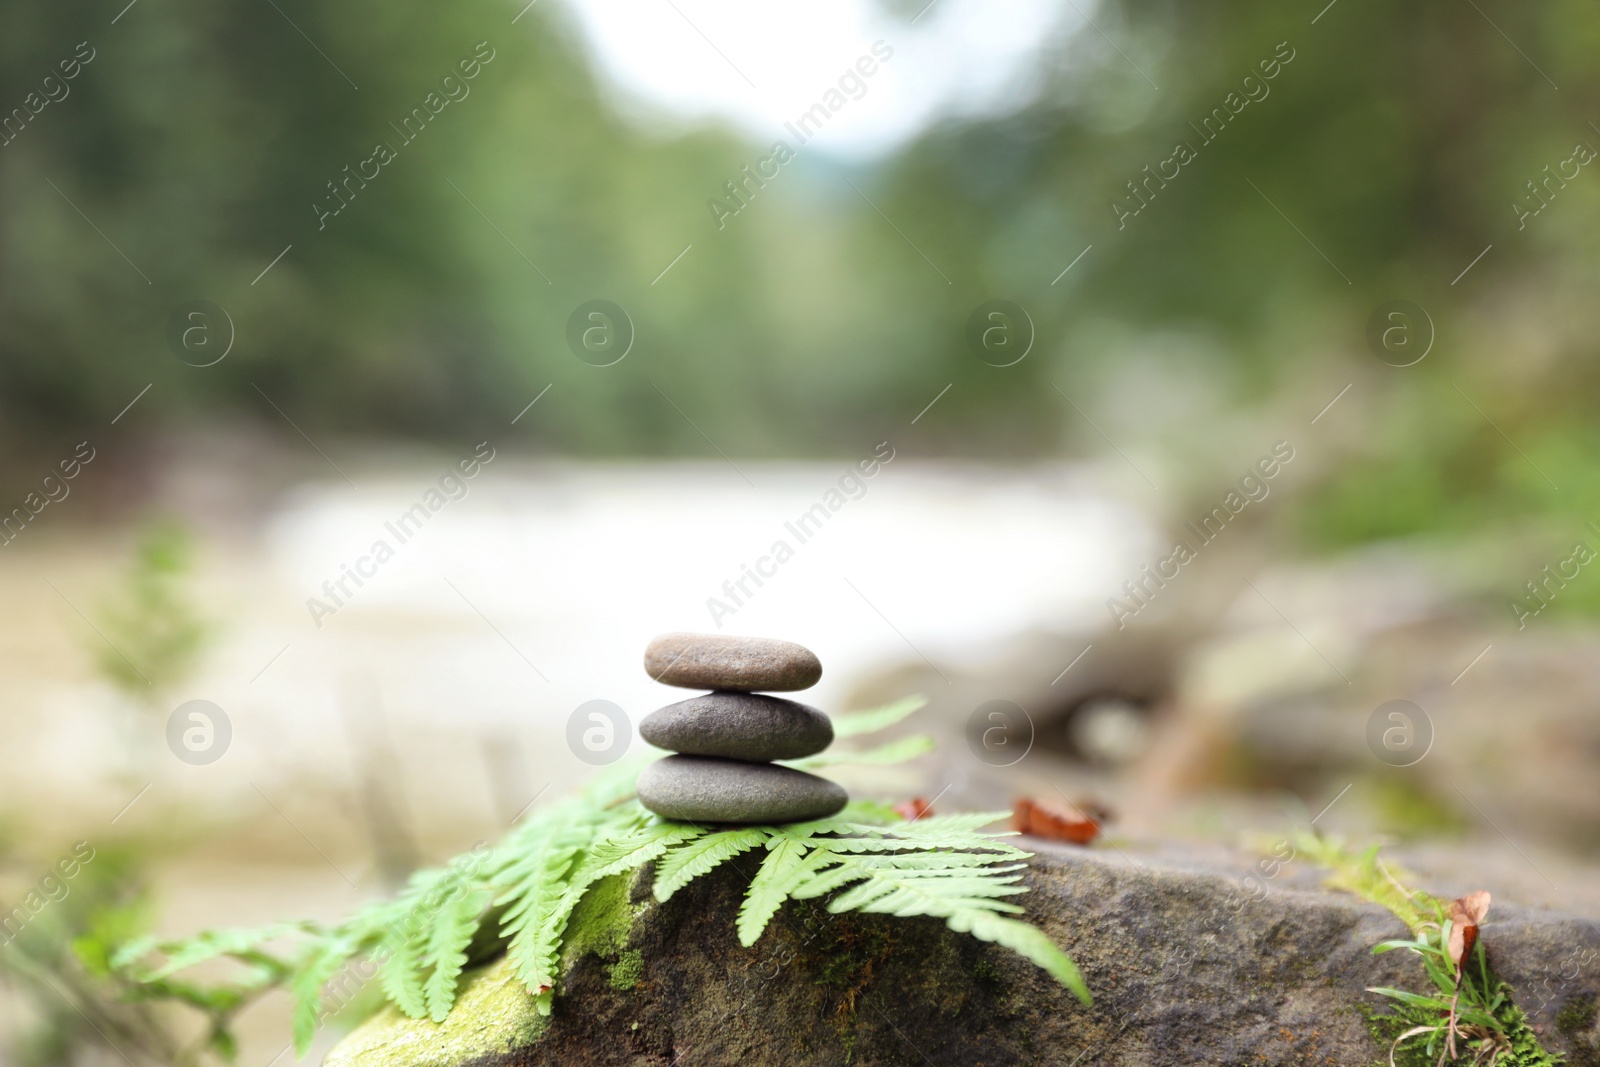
[(451, 671)]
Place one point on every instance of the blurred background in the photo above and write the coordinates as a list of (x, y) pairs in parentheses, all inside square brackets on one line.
[(577, 307)]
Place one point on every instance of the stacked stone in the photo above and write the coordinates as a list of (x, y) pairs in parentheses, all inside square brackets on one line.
[(727, 739)]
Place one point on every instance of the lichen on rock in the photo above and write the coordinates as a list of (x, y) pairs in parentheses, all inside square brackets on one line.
[(493, 1014)]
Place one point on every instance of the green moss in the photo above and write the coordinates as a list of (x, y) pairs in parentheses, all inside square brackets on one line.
[(850, 955), (626, 972), (600, 926), (1367, 876), (493, 1014), (1385, 1027), (1576, 1019), (1407, 809), (1577, 1015), (850, 952), (601, 922)]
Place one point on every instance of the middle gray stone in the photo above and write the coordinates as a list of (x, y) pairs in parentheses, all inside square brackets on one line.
[(743, 726)]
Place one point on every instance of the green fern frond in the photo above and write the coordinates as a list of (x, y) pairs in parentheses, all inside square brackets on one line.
[(872, 812), (929, 842), (246, 944), (933, 860), (951, 832), (966, 821), (400, 971), (617, 855), (410, 935), (1028, 941), (681, 865), (881, 886), (770, 886), (539, 897), (966, 902), (867, 859), (454, 926), (837, 875), (540, 925), (899, 751), (854, 723), (322, 964), (826, 826)]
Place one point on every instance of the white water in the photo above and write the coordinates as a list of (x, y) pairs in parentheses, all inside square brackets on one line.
[(574, 567)]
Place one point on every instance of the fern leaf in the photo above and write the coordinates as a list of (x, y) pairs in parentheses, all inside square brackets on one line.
[(400, 933), (684, 864), (400, 972), (908, 865), (400, 929), (320, 965), (131, 952), (868, 859), (871, 812), (453, 927), (535, 898), (966, 821), (616, 855), (892, 892), (1027, 941), (534, 876), (854, 723), (964, 894), (937, 864), (537, 945), (244, 942), (962, 842), (770, 886), (906, 748)]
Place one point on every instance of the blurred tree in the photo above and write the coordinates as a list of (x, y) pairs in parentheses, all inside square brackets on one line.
[(1382, 156)]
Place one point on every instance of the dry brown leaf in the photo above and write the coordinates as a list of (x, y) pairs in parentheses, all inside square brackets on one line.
[(1057, 821), (913, 809), (1466, 913)]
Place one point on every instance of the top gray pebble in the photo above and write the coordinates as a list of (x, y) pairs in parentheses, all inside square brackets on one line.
[(718, 661)]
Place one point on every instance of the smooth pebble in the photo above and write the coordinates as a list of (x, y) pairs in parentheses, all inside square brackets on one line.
[(705, 789), (746, 726), (720, 661)]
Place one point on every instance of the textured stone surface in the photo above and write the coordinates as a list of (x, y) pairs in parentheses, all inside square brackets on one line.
[(1187, 967), (718, 661), (706, 789), (745, 726)]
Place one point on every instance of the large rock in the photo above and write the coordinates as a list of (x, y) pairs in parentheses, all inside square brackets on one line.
[(1189, 962)]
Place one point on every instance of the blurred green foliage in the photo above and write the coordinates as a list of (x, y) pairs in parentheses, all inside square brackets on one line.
[(1383, 157), (61, 916), (152, 632)]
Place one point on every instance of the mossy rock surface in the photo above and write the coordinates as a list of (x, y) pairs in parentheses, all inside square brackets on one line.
[(1189, 961)]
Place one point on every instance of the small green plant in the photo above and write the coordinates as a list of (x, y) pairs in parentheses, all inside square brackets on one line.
[(1468, 1011), (523, 893), (154, 634), (55, 943)]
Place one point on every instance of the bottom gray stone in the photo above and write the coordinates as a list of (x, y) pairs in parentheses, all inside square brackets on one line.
[(705, 789)]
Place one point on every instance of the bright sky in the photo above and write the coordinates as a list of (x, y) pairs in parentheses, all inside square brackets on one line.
[(756, 64)]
